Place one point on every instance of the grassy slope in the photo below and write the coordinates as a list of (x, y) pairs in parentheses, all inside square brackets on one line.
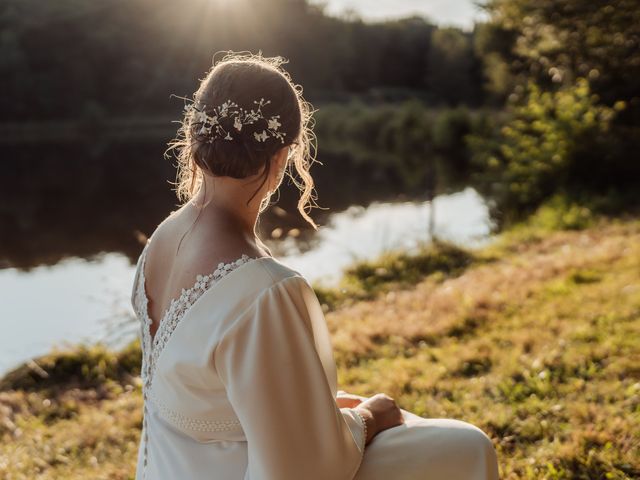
[(537, 343)]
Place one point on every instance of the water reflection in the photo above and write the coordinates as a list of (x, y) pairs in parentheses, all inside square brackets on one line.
[(69, 200), (360, 232), (88, 299)]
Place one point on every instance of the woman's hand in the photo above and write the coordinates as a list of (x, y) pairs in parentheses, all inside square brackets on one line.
[(381, 413)]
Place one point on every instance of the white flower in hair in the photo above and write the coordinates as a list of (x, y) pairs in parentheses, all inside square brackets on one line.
[(274, 123), (200, 117), (261, 137), (208, 126)]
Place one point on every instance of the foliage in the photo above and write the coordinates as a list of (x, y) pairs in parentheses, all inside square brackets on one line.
[(539, 149), (61, 59), (423, 148), (569, 65), (369, 278), (560, 213), (84, 366), (452, 64), (556, 42)]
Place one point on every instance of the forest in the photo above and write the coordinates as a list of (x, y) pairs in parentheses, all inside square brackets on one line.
[(542, 99)]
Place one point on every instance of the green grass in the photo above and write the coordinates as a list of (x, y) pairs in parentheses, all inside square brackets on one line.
[(83, 367), (366, 279), (539, 347)]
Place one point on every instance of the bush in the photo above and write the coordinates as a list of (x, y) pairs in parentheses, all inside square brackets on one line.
[(559, 213), (367, 278), (537, 152), (82, 366)]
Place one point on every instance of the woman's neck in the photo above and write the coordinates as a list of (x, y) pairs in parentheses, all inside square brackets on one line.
[(224, 200)]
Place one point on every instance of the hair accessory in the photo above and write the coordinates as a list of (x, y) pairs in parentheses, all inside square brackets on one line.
[(208, 124)]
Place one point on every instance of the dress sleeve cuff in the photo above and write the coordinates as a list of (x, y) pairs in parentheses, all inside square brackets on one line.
[(357, 425)]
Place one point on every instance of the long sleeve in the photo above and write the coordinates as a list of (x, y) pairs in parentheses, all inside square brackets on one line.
[(277, 386)]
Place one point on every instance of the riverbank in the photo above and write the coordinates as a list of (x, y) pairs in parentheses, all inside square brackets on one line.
[(534, 339)]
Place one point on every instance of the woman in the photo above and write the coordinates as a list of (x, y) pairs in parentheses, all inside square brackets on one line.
[(239, 380)]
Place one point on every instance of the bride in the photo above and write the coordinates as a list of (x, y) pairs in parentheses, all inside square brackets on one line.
[(239, 380)]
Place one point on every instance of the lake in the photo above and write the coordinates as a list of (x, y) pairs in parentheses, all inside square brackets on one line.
[(87, 299), (74, 218)]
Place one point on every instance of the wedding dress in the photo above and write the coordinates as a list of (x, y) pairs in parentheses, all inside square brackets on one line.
[(239, 383)]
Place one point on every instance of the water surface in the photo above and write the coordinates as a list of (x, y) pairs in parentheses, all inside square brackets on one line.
[(88, 299)]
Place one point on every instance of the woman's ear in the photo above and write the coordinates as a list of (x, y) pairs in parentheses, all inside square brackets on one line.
[(279, 161), (278, 165), (281, 157)]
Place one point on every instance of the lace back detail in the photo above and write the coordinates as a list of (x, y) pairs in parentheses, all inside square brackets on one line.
[(178, 307)]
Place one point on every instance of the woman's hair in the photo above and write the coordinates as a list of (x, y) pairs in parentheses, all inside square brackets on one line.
[(244, 78)]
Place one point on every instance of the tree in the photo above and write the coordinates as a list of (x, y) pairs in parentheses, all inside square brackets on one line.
[(538, 151)]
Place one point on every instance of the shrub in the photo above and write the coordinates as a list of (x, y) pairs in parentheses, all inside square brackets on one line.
[(537, 151)]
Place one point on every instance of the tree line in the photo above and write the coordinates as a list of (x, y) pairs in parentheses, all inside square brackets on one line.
[(75, 59), (539, 100)]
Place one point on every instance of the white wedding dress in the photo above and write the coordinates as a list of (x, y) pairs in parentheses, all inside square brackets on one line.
[(240, 383)]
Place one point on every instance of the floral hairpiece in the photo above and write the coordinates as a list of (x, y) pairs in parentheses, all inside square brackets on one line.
[(208, 124)]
